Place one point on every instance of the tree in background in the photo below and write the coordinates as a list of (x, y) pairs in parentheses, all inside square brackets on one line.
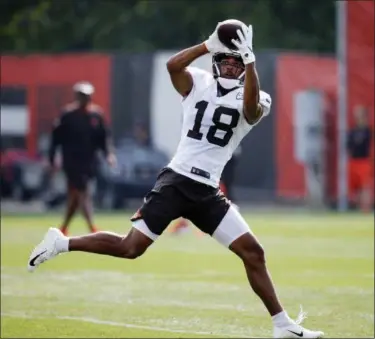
[(140, 25)]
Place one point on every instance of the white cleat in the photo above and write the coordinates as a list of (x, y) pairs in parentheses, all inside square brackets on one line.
[(295, 330), (45, 250)]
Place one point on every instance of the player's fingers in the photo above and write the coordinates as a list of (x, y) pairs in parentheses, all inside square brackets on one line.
[(240, 35), (244, 28), (250, 30), (236, 43)]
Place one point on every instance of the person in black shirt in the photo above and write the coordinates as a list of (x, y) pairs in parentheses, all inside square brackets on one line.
[(80, 132), (360, 167)]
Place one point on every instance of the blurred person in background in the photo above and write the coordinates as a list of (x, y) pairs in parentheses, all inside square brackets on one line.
[(81, 132), (140, 134), (360, 170)]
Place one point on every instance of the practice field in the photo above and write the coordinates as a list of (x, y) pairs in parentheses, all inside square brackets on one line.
[(186, 286)]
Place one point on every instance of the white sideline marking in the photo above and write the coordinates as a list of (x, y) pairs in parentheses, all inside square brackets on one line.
[(118, 324)]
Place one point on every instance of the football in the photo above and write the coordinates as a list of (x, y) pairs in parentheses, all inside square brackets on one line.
[(227, 31)]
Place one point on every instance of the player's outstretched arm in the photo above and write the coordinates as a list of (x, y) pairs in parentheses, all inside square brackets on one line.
[(181, 78), (252, 109), (176, 65)]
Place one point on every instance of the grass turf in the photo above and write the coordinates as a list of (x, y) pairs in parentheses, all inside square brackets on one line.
[(189, 287)]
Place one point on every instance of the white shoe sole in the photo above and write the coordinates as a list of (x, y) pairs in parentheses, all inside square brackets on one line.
[(290, 335)]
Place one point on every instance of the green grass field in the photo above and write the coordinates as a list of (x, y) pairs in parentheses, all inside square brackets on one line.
[(187, 286)]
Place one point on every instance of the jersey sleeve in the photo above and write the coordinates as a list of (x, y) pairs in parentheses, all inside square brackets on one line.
[(201, 79), (198, 74), (264, 100)]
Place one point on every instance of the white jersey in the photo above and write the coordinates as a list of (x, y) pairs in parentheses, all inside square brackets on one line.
[(212, 129)]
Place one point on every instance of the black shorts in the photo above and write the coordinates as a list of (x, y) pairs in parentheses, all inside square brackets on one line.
[(78, 178), (174, 196)]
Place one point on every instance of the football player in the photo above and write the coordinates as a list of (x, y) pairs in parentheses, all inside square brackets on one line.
[(219, 109)]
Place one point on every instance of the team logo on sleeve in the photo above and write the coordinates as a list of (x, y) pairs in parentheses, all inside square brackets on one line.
[(239, 96)]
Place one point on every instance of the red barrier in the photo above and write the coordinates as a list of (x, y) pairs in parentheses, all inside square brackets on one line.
[(360, 60), (36, 72), (295, 73)]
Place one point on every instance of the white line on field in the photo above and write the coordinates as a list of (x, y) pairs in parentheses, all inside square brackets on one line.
[(126, 325), (151, 328)]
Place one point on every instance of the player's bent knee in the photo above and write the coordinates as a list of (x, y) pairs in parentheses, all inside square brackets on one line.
[(131, 248), (135, 243), (133, 252), (254, 255), (249, 250)]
